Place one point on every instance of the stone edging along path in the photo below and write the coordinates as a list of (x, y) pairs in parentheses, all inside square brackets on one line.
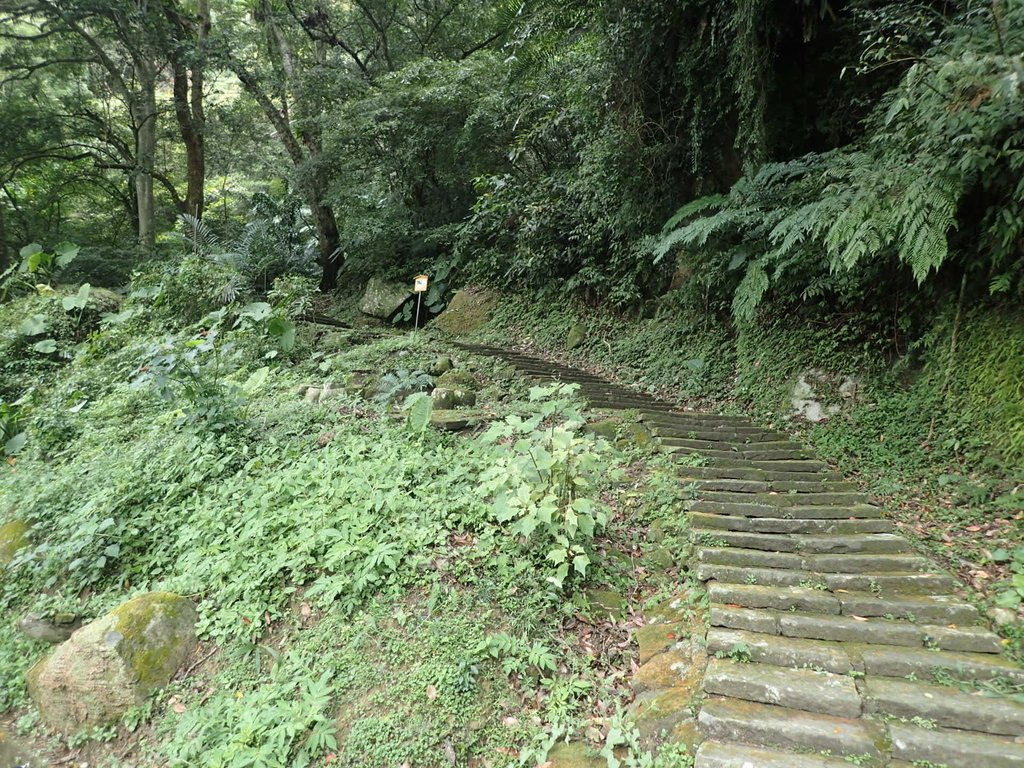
[(830, 643)]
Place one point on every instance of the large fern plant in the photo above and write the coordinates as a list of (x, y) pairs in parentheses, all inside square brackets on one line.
[(950, 135)]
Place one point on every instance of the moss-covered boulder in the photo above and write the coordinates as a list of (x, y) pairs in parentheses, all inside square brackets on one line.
[(451, 399), (13, 537), (383, 299), (113, 663), (462, 381), (576, 336), (606, 428), (469, 309), (441, 366)]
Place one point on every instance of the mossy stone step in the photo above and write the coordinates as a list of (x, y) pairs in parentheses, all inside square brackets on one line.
[(830, 527), (804, 689), (739, 486), (705, 453), (884, 585), (739, 574), (778, 598), (753, 437), (744, 471), (769, 542), (855, 630), (954, 749), (749, 558), (943, 706), (939, 609), (807, 512), (765, 725), (716, 754), (783, 454), (871, 543), (861, 563), (928, 665), (801, 467), (876, 661), (787, 499), (778, 651)]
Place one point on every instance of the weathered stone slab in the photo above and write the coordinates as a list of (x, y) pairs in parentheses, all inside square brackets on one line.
[(383, 299), (743, 540), (653, 639), (847, 629), (714, 754), (778, 598), (782, 651), (766, 577), (966, 639), (748, 558), (865, 563), (954, 749), (782, 525), (900, 662), (891, 583), (939, 609), (802, 689), (744, 618), (874, 543), (944, 706), (771, 726)]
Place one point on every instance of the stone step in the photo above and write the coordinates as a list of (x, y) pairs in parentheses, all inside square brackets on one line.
[(744, 722), (876, 661), (854, 544), (776, 454), (696, 446), (749, 558), (706, 453), (872, 563), (944, 610), (942, 706), (777, 651), (809, 512), (882, 585), (749, 472), (754, 437), (954, 749), (778, 598), (717, 754), (938, 609), (872, 543), (853, 630), (807, 690), (799, 467), (788, 525), (739, 486), (784, 500), (930, 665)]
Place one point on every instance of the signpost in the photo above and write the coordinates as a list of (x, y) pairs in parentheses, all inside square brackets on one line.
[(422, 282)]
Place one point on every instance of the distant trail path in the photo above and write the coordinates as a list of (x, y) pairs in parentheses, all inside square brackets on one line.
[(832, 644)]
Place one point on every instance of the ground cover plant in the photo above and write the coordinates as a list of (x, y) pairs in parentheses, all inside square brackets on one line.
[(417, 594)]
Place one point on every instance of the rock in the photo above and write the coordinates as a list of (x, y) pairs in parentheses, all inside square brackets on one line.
[(606, 428), (14, 754), (459, 380), (113, 663), (573, 756), (450, 399), (576, 336), (455, 421), (55, 628), (660, 558), (311, 395), (335, 341), (610, 603), (818, 395), (469, 309), (638, 434), (383, 299), (13, 538), (656, 638), (440, 366), (1002, 617)]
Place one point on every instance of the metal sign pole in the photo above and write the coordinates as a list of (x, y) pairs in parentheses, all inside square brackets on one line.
[(419, 301)]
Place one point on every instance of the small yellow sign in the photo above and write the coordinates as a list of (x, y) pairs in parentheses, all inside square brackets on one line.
[(421, 284)]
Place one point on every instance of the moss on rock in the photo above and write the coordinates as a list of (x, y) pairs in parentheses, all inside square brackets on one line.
[(13, 538), (113, 663), (469, 309), (461, 381)]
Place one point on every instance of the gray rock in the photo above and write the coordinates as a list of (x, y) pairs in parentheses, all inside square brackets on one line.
[(576, 336), (54, 629), (113, 663), (440, 366), (383, 299), (450, 399)]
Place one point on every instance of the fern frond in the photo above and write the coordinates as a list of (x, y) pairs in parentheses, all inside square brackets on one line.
[(200, 236)]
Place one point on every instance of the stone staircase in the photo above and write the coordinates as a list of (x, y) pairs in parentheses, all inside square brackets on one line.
[(832, 643)]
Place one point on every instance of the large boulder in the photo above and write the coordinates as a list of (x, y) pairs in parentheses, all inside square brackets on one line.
[(113, 663), (451, 399), (461, 381), (13, 537), (383, 299), (469, 309)]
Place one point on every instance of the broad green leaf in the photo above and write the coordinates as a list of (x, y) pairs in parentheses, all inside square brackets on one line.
[(258, 311), (13, 446), (79, 300), (32, 326), (30, 250), (66, 253), (46, 346), (419, 407)]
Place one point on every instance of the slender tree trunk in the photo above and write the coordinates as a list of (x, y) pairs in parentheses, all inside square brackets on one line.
[(189, 108), (144, 112), (329, 242)]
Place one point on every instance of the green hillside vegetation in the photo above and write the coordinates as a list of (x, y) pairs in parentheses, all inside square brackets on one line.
[(402, 553)]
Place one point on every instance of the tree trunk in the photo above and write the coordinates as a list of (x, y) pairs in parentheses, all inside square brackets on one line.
[(329, 242), (189, 109), (144, 112)]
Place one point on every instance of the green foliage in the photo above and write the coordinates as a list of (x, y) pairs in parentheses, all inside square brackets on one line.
[(946, 137), (546, 481), (1011, 594), (36, 267)]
